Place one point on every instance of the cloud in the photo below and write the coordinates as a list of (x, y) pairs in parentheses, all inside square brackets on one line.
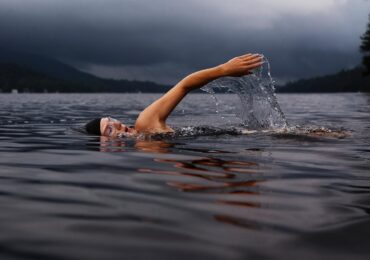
[(139, 39)]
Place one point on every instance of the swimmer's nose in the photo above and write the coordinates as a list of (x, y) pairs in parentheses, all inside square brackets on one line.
[(117, 125), (122, 127)]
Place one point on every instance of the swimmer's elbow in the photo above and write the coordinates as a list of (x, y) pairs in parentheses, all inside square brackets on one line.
[(183, 87), (188, 84)]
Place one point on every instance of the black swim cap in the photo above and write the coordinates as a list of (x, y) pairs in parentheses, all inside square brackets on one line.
[(93, 127)]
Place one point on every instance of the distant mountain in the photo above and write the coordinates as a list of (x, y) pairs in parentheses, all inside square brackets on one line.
[(344, 81), (14, 76), (21, 69), (45, 65)]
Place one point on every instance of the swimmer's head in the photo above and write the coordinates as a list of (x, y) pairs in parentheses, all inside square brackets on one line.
[(107, 126), (93, 127)]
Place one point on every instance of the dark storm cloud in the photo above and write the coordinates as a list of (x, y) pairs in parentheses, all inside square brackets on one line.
[(163, 39)]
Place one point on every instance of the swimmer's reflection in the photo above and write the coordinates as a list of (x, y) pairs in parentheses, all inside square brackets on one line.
[(153, 146), (217, 175), (227, 219), (221, 174), (111, 144), (108, 144), (211, 175), (236, 179)]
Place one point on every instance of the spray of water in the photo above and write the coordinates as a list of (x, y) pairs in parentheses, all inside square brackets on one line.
[(259, 108)]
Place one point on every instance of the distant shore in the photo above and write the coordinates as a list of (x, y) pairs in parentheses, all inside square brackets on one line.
[(51, 76)]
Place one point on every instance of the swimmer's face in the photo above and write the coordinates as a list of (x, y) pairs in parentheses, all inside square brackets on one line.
[(113, 128)]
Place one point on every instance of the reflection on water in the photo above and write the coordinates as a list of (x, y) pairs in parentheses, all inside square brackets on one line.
[(153, 146), (111, 144), (241, 223), (221, 175), (215, 194)]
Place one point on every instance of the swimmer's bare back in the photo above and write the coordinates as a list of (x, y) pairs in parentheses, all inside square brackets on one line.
[(153, 118)]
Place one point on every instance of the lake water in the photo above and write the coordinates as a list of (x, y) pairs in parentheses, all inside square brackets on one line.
[(205, 194)]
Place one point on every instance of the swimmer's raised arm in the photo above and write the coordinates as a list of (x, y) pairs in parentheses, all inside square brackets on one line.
[(154, 116), (236, 67)]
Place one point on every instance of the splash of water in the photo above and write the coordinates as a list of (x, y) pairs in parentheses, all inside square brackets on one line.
[(259, 108)]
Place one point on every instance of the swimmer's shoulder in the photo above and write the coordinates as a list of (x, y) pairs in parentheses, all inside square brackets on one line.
[(151, 126)]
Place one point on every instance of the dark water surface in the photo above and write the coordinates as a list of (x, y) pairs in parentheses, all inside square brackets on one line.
[(64, 195)]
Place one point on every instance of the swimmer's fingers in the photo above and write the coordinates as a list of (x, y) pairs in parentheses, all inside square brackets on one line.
[(245, 55), (256, 59), (253, 66), (250, 56)]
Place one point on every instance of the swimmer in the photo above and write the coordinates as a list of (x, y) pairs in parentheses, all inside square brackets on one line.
[(152, 120)]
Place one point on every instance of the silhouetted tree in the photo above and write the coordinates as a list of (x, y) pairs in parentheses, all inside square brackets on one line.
[(365, 49)]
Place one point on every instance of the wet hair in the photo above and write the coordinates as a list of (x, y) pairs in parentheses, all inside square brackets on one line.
[(93, 127)]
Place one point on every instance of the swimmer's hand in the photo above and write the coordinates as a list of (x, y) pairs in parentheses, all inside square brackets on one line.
[(241, 65)]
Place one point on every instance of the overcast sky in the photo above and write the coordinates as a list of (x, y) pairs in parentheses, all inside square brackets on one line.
[(163, 40)]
